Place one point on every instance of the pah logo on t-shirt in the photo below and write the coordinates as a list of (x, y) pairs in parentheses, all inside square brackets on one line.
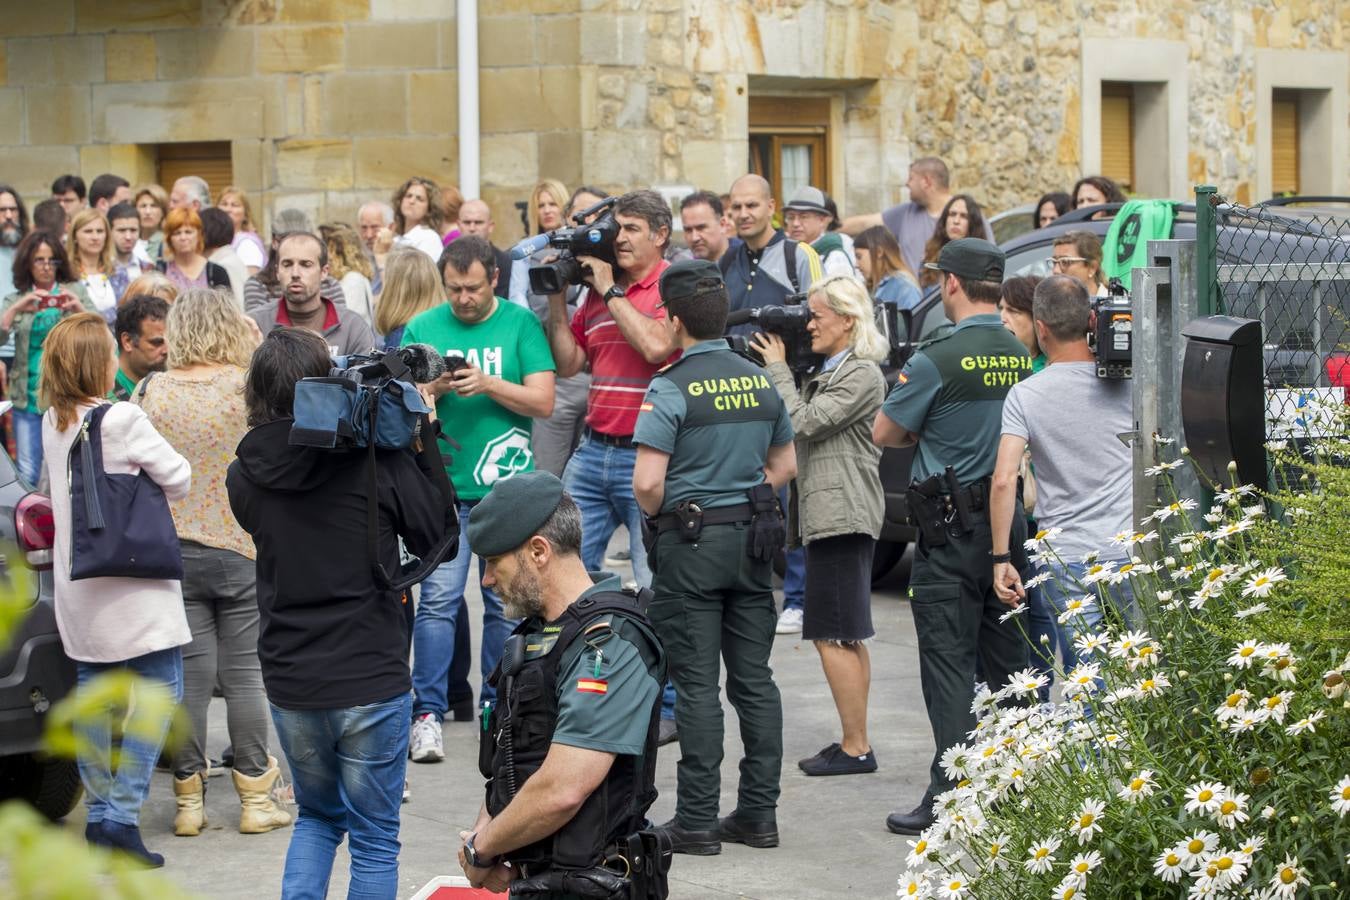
[(489, 359)]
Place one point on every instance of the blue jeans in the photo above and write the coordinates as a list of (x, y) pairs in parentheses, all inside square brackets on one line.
[(348, 766), (794, 570), (1041, 623), (600, 479), (115, 793), (28, 444), (1064, 585), (434, 627)]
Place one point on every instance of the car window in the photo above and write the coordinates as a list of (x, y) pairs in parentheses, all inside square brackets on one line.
[(930, 317), (1033, 260)]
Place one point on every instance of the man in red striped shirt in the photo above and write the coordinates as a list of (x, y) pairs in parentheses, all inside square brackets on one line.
[(618, 329)]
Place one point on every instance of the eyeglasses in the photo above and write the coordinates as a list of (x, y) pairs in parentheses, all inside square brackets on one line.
[(46, 262), (1063, 262)]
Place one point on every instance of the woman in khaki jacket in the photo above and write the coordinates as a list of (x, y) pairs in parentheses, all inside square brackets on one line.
[(837, 500)]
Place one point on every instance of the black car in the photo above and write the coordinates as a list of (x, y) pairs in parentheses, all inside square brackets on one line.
[(35, 672)]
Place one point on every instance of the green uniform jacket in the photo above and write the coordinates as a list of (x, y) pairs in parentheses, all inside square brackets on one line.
[(838, 486), (23, 323)]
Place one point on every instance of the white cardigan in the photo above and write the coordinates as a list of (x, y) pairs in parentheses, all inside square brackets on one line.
[(105, 620)]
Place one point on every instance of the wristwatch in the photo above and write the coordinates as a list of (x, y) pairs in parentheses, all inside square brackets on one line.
[(613, 292), (472, 856)]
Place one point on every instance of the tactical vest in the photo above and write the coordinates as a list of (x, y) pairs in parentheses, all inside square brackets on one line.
[(520, 728), (722, 388)]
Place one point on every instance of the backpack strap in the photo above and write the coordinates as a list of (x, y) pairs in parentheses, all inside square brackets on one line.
[(790, 261), (145, 383), (89, 444)]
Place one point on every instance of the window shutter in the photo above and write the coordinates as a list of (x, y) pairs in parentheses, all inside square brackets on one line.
[(1118, 134), (208, 160), (1284, 174)]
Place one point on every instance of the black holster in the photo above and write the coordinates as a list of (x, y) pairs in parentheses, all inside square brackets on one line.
[(635, 868), (768, 531), (649, 535), (927, 511)]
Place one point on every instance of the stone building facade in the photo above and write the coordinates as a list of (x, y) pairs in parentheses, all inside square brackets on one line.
[(322, 104)]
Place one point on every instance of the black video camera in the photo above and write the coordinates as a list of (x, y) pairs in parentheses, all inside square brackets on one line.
[(788, 322), (1112, 337), (593, 239)]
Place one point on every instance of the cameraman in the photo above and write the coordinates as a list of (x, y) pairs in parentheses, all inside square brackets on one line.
[(333, 644), (487, 406), (1083, 474), (619, 330)]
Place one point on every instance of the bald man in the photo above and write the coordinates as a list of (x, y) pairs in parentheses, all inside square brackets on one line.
[(475, 217), (765, 268)]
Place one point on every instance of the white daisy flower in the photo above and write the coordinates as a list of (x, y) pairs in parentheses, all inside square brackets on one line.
[(1082, 865), (1307, 723), (1068, 889), (914, 886), (1269, 812), (956, 761), (1162, 441), (1170, 865), (1074, 608), (1223, 869), (1153, 686), (1126, 645), (953, 887), (1262, 583), (1013, 613), (1082, 679), (1174, 509), (1245, 653), (1288, 878), (1340, 797), (1089, 643), (1252, 846), (1041, 538), (1234, 705), (920, 852), (1138, 787), (1247, 721), (996, 851), (1041, 857), (1028, 681), (1252, 611), (1232, 810), (1037, 580), (1281, 668), (1277, 705), (1088, 822), (1205, 796), (1098, 572), (1144, 655), (1163, 467), (1194, 848)]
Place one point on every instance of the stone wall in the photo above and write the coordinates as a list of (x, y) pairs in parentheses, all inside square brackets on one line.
[(327, 103)]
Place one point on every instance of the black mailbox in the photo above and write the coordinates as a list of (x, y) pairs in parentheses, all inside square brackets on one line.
[(1223, 398)]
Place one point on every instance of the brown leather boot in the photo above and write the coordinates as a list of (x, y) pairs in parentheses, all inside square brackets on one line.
[(260, 812), (190, 794)]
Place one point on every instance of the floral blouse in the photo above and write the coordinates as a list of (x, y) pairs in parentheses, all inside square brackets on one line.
[(203, 420)]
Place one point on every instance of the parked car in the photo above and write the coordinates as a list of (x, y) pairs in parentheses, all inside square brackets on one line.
[(35, 672)]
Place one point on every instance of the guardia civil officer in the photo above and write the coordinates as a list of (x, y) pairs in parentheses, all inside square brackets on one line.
[(714, 445), (949, 400), (569, 751)]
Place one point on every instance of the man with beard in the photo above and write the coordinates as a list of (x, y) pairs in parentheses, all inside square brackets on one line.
[(13, 226), (302, 267), (585, 669)]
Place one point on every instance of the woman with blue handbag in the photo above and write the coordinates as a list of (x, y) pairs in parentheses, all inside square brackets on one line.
[(117, 567)]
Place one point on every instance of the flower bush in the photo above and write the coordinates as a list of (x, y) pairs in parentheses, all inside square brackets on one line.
[(1202, 744)]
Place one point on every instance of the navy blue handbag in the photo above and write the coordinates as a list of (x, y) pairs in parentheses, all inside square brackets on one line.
[(121, 524)]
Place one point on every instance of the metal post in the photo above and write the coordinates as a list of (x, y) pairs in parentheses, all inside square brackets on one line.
[(1206, 250)]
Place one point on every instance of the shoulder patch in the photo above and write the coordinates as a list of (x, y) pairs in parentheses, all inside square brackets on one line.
[(592, 686)]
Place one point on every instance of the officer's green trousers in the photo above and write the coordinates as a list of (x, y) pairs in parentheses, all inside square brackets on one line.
[(956, 617), (712, 599)]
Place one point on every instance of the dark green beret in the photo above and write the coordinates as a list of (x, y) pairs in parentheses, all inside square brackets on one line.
[(689, 277), (512, 512)]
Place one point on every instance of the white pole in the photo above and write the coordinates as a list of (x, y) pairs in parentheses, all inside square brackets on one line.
[(466, 31)]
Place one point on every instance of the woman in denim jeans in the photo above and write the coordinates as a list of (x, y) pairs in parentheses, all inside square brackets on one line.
[(198, 406), (333, 643), (112, 624)]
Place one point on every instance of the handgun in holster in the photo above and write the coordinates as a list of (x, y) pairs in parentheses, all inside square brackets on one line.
[(965, 517), (926, 510)]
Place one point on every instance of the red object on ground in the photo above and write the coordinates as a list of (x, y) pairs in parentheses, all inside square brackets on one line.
[(463, 893)]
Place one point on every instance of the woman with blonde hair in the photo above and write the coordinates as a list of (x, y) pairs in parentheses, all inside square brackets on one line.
[(419, 213), (246, 243), (546, 211), (112, 624), (837, 502), (348, 263), (882, 265), (152, 205), (151, 284), (89, 242), (411, 286), (198, 405)]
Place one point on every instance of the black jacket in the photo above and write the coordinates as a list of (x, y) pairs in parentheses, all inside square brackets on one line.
[(329, 637)]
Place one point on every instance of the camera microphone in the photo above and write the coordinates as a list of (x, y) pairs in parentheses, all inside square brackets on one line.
[(425, 363), (529, 246), (740, 317)]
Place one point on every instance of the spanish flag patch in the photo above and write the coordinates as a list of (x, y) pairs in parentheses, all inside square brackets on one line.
[(592, 686), (902, 378), (646, 407)]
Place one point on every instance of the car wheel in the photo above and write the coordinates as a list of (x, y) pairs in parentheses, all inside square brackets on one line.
[(50, 784), (885, 557)]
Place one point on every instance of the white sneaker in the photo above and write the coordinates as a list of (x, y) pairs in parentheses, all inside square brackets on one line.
[(426, 744), (790, 622), (407, 791)]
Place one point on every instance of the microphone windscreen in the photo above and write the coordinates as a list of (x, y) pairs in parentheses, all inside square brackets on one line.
[(529, 246), (424, 363), (740, 317)]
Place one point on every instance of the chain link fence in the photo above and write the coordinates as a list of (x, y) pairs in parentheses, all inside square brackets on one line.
[(1285, 263)]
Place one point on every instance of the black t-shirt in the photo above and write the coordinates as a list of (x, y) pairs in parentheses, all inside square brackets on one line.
[(329, 638)]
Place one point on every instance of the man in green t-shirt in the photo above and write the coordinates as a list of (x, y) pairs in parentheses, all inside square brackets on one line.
[(140, 342), (485, 404)]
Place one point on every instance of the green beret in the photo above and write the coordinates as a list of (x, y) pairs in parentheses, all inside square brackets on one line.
[(689, 277), (512, 512)]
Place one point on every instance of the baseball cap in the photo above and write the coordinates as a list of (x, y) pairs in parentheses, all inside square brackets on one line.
[(973, 258), (689, 277)]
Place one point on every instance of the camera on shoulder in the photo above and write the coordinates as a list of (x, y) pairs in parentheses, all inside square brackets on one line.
[(367, 399), (584, 239)]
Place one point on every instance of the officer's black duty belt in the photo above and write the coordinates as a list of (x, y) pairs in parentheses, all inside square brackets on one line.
[(613, 440), (717, 515), (976, 494)]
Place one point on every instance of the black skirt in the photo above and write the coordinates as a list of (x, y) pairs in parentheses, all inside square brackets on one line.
[(839, 589)]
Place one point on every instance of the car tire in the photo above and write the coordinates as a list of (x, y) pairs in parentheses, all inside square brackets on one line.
[(49, 784), (885, 557)]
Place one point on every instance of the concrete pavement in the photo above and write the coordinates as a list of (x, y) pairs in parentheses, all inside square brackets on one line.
[(834, 840)]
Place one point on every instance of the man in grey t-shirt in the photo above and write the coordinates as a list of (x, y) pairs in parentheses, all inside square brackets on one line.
[(1070, 419)]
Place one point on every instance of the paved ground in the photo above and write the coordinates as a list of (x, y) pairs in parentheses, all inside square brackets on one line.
[(834, 841)]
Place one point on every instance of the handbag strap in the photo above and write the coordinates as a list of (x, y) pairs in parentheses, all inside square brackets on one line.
[(90, 444)]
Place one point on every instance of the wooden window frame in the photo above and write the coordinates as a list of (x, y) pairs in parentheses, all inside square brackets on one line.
[(790, 121)]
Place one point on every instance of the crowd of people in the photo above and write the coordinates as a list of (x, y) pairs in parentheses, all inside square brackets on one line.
[(614, 402)]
